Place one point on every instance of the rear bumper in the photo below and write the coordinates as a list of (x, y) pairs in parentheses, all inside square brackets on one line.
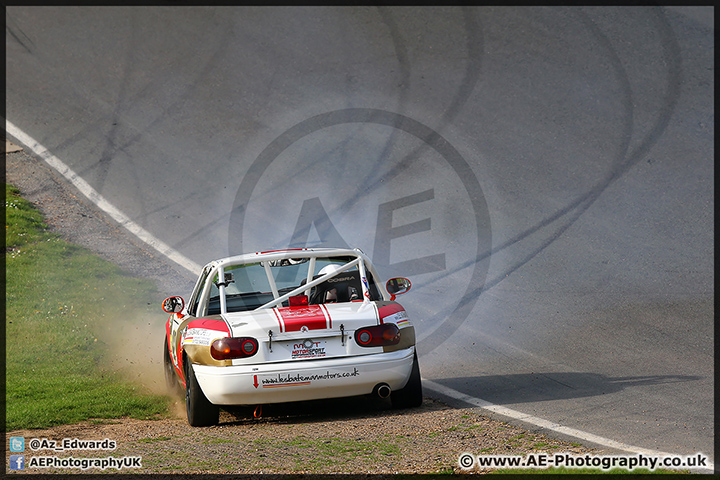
[(305, 379)]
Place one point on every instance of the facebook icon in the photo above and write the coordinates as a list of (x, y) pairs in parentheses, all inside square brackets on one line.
[(17, 462)]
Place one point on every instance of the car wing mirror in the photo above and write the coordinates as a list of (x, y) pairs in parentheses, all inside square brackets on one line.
[(398, 286), (173, 304)]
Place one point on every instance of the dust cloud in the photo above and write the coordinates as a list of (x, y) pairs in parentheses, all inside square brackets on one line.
[(133, 348)]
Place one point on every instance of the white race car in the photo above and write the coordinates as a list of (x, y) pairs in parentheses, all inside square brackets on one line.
[(290, 325)]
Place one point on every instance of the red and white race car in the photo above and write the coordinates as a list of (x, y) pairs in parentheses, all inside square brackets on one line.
[(290, 325)]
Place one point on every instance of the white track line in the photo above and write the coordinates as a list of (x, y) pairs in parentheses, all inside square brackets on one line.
[(540, 422), (193, 267), (100, 201)]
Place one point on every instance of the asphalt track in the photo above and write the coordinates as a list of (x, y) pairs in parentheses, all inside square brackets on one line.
[(543, 175)]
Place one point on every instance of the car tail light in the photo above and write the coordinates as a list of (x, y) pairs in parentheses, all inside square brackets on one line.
[(233, 347), (378, 335)]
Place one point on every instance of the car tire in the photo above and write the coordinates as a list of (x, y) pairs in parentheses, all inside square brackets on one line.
[(409, 396), (200, 412)]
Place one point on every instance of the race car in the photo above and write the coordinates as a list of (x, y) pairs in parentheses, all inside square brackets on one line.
[(290, 325)]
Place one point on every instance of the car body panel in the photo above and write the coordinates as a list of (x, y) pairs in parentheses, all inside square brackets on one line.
[(304, 380)]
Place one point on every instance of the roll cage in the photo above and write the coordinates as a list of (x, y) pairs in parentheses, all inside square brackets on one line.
[(214, 274)]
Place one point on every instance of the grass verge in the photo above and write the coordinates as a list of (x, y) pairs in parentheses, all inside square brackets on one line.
[(63, 307)]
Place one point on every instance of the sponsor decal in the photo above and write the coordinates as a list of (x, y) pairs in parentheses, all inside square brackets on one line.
[(367, 288), (200, 336), (300, 379), (399, 318), (289, 384), (340, 279), (308, 349), (202, 331)]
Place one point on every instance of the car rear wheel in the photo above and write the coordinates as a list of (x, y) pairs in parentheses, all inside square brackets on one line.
[(411, 395), (200, 412)]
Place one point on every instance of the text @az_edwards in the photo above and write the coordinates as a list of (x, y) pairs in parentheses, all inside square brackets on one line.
[(67, 444)]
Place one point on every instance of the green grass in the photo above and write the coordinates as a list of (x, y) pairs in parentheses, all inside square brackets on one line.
[(331, 452), (62, 305), (153, 440)]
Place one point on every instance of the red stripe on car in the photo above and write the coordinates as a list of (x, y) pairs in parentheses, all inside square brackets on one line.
[(209, 324), (389, 309), (278, 251), (327, 316), (279, 319)]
